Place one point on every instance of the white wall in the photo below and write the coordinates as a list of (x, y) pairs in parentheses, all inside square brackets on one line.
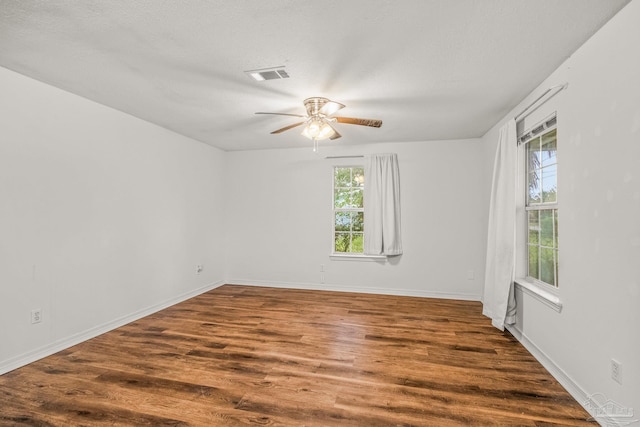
[(279, 220), (103, 218), (599, 210)]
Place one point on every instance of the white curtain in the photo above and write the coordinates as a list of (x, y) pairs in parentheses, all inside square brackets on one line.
[(498, 300), (382, 205)]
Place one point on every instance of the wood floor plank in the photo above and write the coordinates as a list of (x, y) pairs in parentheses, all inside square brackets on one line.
[(242, 355)]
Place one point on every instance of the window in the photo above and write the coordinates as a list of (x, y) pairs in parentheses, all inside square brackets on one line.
[(348, 209), (541, 204)]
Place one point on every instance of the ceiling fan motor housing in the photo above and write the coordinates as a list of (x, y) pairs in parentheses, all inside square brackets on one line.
[(314, 105)]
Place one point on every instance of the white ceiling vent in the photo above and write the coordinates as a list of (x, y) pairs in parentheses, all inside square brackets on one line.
[(273, 73)]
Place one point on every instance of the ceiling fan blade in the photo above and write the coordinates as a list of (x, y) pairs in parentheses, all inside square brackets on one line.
[(282, 114), (336, 134), (330, 108), (364, 122), (288, 127)]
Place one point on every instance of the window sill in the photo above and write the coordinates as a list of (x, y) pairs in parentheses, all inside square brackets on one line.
[(537, 292), (357, 257)]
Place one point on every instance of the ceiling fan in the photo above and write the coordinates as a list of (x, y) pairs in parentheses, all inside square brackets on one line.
[(320, 118)]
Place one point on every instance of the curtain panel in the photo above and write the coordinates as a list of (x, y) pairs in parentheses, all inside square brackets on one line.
[(382, 205), (498, 299)]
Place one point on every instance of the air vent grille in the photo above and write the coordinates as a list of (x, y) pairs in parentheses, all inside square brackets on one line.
[(273, 73)]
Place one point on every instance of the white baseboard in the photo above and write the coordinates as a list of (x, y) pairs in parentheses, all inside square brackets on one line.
[(580, 395), (49, 349), (358, 289)]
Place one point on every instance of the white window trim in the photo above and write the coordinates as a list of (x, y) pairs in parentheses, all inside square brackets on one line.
[(338, 256), (538, 292)]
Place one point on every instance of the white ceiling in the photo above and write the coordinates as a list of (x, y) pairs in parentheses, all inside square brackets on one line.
[(430, 69)]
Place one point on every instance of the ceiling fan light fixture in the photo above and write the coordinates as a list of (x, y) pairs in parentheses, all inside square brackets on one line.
[(326, 131), (318, 129)]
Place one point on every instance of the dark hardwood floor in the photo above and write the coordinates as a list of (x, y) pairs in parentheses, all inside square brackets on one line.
[(241, 355)]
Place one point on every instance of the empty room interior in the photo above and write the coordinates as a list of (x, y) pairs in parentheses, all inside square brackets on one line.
[(320, 213)]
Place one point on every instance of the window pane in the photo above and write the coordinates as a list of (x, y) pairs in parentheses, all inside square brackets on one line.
[(534, 188), (533, 154), (342, 177), (533, 261), (549, 183), (549, 148), (357, 198), (358, 177), (546, 228), (534, 227), (357, 245), (547, 265), (341, 242), (343, 221), (341, 197), (357, 219)]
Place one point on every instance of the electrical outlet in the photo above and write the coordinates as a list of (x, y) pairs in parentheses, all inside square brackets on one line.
[(616, 371), (36, 315), (199, 268)]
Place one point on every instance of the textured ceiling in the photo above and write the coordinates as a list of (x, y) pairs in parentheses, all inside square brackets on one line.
[(430, 69)]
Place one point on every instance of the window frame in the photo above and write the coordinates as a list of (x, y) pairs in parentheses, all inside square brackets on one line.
[(545, 293), (541, 206), (335, 210)]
